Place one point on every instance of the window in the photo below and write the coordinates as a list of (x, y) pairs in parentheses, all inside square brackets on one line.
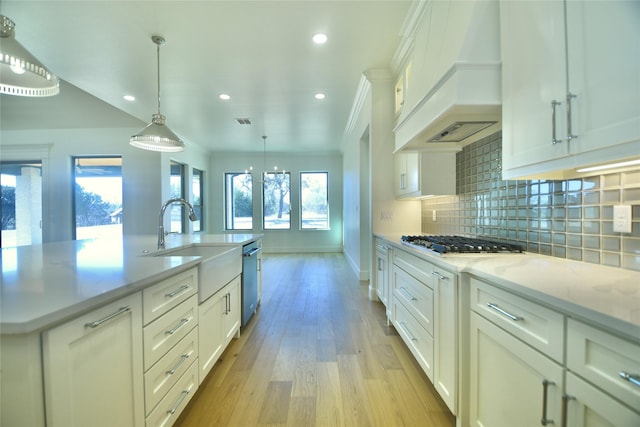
[(276, 208), (21, 183), (197, 190), (97, 197), (238, 201), (176, 191), (314, 201)]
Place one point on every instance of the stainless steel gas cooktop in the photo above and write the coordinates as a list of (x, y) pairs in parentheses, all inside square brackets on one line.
[(459, 244)]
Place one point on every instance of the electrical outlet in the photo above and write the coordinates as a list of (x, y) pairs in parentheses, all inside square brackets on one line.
[(622, 219)]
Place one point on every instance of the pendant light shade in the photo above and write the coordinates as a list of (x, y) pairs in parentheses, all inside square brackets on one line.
[(21, 74), (157, 136)]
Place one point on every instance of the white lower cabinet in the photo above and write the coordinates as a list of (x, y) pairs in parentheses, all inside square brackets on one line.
[(93, 368), (425, 301), (511, 383), (219, 320), (175, 400), (525, 370), (383, 268)]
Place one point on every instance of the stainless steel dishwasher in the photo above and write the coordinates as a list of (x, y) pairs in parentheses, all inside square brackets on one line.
[(250, 253)]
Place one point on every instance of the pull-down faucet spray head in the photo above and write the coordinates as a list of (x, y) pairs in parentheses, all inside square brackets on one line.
[(192, 217)]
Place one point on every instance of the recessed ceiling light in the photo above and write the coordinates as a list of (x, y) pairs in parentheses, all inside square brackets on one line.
[(224, 97), (129, 98), (319, 96), (319, 38)]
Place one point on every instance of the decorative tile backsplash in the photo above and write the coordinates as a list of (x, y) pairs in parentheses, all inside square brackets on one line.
[(568, 219)]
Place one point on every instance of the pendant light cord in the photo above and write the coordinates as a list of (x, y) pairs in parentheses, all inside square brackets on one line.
[(158, 42)]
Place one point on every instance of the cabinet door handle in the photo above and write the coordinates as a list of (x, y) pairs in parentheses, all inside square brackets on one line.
[(97, 323), (545, 389), (565, 403), (570, 134), (503, 312), (178, 326), (183, 395), (632, 378), (228, 302), (438, 275), (404, 327), (177, 291), (173, 370), (407, 293), (554, 104)]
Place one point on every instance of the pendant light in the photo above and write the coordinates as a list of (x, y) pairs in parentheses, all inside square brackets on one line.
[(156, 136), (21, 74)]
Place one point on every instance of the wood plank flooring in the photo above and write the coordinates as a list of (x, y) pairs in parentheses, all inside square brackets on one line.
[(317, 353)]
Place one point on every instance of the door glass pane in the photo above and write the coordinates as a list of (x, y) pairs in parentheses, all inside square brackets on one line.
[(276, 207), (314, 200), (21, 184), (239, 201), (176, 190), (97, 197), (197, 188)]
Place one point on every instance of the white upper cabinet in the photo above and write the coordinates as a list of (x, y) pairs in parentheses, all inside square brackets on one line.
[(426, 173), (454, 73), (570, 88)]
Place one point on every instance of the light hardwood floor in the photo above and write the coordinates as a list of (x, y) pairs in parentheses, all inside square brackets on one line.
[(317, 353)]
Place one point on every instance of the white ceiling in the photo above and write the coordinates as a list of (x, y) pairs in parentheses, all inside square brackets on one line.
[(259, 52)]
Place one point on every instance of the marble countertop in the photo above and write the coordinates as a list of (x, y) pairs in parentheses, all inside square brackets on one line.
[(43, 285), (605, 295)]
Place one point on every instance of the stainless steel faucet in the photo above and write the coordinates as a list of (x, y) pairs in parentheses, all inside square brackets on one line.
[(192, 217)]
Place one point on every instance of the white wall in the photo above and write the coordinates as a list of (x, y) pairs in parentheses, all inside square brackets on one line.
[(281, 241)]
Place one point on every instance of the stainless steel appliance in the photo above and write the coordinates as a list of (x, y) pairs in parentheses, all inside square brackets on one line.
[(458, 244), (250, 253)]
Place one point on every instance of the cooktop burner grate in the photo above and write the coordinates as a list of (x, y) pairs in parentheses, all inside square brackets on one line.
[(460, 244)]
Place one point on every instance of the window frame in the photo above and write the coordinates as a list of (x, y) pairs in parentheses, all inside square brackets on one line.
[(301, 200), (198, 198), (229, 200), (183, 218), (288, 195)]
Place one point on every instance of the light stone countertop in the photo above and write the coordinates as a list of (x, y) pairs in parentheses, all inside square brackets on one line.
[(607, 296), (43, 285)]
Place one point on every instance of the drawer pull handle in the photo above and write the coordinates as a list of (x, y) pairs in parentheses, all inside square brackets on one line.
[(97, 323), (178, 326), (503, 312), (404, 327), (438, 275), (177, 291), (180, 362), (407, 293), (633, 379), (565, 403), (554, 105), (545, 388), (183, 395)]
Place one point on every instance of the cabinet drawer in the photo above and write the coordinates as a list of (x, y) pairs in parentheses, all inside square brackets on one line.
[(164, 295), (415, 296), (415, 266), (164, 374), (600, 358), (170, 407), (536, 325), (166, 331), (419, 341)]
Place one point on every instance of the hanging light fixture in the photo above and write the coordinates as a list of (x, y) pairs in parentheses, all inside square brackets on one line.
[(156, 136), (264, 173), (21, 74)]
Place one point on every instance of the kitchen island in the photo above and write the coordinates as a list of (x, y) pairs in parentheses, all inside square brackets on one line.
[(119, 286)]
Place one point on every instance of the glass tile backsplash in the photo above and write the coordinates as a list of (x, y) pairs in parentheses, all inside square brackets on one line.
[(568, 219)]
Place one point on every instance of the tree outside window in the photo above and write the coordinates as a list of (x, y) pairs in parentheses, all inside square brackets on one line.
[(314, 200), (276, 207), (238, 201)]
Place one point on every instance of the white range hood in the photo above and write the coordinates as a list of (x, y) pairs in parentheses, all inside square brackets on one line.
[(453, 95)]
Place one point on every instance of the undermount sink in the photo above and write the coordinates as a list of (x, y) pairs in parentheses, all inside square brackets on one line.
[(219, 265)]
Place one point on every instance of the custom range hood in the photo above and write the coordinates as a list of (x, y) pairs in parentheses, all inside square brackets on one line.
[(452, 94)]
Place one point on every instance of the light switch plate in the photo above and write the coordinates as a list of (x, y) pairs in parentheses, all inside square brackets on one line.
[(622, 219)]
